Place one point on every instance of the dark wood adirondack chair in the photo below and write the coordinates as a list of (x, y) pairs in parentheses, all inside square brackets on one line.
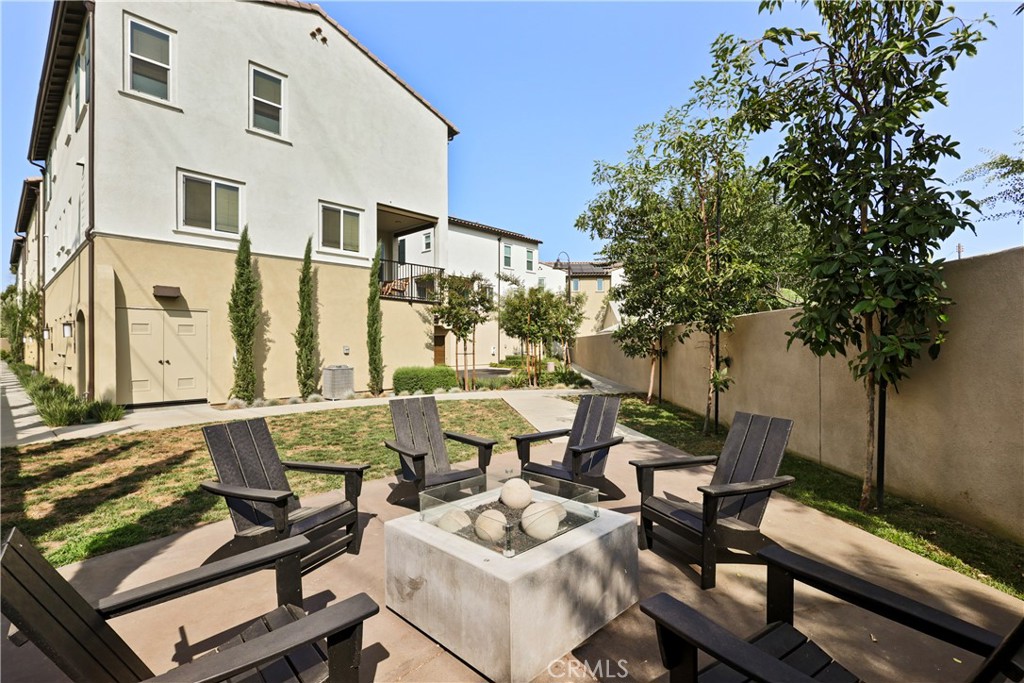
[(420, 444), (75, 634), (586, 454), (263, 507), (734, 503), (780, 652)]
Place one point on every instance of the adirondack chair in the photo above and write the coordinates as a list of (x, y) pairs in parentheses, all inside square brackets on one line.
[(263, 507), (780, 652), (586, 454), (420, 444), (734, 503), (75, 635)]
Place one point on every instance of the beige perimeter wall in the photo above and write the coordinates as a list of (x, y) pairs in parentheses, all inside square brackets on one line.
[(955, 430)]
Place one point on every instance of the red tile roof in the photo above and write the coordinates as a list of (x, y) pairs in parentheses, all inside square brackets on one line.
[(452, 220)]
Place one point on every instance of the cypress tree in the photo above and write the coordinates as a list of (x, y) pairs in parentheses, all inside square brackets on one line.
[(307, 342), (244, 316), (374, 337)]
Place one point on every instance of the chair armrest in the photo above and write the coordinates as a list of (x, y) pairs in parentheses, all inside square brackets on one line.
[(407, 451), (230, 661), (470, 439), (197, 579), (325, 467), (523, 442), (591, 447), (484, 447), (646, 468), (741, 488), (784, 566), (682, 625), (246, 493)]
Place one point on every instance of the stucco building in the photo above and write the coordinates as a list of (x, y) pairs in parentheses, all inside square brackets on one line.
[(165, 129), (595, 279)]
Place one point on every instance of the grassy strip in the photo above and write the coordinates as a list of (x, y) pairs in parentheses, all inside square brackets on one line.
[(990, 559), (77, 499), (58, 404)]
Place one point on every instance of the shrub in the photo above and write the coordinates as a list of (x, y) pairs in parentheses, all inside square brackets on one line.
[(258, 402), (105, 411), (294, 400), (59, 410), (518, 380), (314, 398), (235, 404), (425, 380)]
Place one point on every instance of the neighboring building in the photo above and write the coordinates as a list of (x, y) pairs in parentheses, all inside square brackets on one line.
[(26, 255), (166, 128), (595, 279)]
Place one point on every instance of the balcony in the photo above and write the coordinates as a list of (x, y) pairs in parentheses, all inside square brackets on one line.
[(408, 281)]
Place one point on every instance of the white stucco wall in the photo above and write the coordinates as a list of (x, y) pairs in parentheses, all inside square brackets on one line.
[(473, 250), (353, 135), (554, 279)]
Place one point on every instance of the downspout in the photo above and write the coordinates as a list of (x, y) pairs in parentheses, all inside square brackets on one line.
[(41, 257), (498, 278), (90, 26)]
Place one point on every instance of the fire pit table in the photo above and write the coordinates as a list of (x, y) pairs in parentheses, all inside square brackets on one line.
[(507, 601)]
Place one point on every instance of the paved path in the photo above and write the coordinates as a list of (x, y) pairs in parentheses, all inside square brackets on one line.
[(19, 421)]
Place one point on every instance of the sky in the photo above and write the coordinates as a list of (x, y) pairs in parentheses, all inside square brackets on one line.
[(541, 90)]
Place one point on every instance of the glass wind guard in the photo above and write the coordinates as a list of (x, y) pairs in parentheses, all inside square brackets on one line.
[(509, 515)]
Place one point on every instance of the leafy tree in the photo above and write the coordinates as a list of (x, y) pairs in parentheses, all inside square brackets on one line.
[(19, 318), (307, 341), (463, 302), (1008, 172), (374, 326), (567, 319), (244, 316), (857, 166), (532, 315)]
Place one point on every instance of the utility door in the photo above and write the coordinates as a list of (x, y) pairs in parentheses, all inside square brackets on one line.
[(162, 355)]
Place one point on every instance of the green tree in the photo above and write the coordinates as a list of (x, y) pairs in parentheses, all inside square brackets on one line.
[(244, 316), (374, 328), (531, 315), (857, 165), (1006, 171), (463, 303), (568, 317), (307, 340), (19, 318)]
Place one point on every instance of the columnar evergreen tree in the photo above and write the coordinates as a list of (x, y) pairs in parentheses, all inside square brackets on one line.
[(858, 166), (307, 341), (244, 317), (374, 328)]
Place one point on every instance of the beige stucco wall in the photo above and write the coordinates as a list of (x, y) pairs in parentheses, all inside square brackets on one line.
[(205, 277), (955, 438), (593, 311), (67, 294)]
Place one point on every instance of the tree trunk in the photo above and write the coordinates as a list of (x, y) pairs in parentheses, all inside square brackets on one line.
[(870, 388), (465, 364), (456, 349), (474, 358), (650, 383), (711, 386)]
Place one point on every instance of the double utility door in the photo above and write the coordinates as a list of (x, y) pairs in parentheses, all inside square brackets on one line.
[(162, 355)]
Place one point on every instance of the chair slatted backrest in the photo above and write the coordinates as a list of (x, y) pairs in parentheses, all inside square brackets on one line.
[(753, 450), (418, 425), (62, 624), (244, 455), (595, 421)]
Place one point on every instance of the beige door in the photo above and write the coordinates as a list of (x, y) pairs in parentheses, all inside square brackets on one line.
[(161, 355)]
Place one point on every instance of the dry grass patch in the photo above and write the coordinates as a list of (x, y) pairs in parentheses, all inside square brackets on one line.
[(78, 499)]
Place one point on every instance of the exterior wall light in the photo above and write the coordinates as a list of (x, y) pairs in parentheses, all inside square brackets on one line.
[(46, 333), (67, 328)]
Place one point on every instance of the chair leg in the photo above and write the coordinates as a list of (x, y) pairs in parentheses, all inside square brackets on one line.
[(289, 580), (708, 562), (646, 534), (344, 650)]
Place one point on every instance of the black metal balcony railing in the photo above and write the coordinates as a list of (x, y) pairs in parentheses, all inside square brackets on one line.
[(408, 281)]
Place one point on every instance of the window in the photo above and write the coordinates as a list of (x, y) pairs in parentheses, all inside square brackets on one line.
[(401, 250), (575, 284), (339, 228), (529, 259), (210, 204), (148, 62), (428, 240), (540, 282), (81, 78), (267, 92), (600, 284), (508, 256)]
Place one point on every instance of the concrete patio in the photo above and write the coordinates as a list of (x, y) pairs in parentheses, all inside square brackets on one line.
[(626, 649)]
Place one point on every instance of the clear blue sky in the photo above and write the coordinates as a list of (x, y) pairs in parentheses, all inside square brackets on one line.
[(540, 91)]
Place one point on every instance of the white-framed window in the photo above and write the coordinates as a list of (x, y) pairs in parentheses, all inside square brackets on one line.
[(575, 284), (507, 256), (208, 203), (267, 91), (339, 228), (540, 282), (600, 284), (81, 77), (148, 59), (529, 260), (428, 241)]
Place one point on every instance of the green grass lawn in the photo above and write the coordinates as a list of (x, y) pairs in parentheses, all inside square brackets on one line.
[(927, 532), (77, 499)]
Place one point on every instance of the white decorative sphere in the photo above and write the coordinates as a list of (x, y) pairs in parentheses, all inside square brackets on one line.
[(454, 520), (516, 493), (560, 511), (490, 526), (540, 520)]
